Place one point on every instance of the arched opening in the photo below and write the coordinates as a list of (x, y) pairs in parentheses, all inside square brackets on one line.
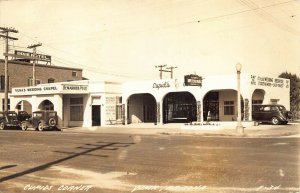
[(46, 105), (257, 98), (179, 107), (141, 108), (222, 105), (24, 106)]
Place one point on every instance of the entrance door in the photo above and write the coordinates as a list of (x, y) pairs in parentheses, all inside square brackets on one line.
[(96, 115), (211, 103)]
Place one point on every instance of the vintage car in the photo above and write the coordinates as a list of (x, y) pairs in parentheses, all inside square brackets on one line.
[(42, 120), (9, 119), (275, 114)]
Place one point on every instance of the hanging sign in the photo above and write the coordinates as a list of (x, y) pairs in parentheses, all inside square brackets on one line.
[(192, 80)]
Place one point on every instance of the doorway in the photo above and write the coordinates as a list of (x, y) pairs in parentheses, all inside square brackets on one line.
[(179, 107), (211, 103), (96, 115)]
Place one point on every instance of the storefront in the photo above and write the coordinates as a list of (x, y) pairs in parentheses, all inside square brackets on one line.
[(190, 99), (78, 103), (193, 98)]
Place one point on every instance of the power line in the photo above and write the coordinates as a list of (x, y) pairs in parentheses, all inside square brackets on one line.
[(78, 64), (208, 19)]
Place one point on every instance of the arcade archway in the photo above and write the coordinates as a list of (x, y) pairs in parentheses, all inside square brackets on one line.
[(24, 106), (179, 107), (141, 108), (257, 98), (222, 105), (46, 105)]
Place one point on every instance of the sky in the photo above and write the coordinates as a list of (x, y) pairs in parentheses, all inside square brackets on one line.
[(120, 40)]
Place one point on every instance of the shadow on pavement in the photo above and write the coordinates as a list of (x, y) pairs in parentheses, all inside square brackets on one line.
[(110, 145), (8, 166)]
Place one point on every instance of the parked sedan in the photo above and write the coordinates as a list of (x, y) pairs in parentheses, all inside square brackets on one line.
[(9, 119), (275, 114), (42, 120)]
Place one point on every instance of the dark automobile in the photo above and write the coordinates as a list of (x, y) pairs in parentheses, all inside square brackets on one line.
[(275, 114), (23, 116), (9, 119), (41, 120)]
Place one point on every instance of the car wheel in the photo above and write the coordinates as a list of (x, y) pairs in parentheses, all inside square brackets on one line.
[(275, 121), (52, 122), (2, 126), (40, 127), (24, 126)]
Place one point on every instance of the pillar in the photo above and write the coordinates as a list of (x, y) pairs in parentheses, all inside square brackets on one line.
[(159, 119), (246, 110), (199, 111), (58, 107)]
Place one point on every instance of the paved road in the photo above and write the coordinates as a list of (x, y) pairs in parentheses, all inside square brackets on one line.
[(93, 162)]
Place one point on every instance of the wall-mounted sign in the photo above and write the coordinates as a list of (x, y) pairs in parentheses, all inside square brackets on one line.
[(75, 87), (165, 84), (46, 89), (267, 81), (35, 89), (192, 80), (41, 57)]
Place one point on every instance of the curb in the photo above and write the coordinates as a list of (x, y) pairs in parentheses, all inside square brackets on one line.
[(191, 133)]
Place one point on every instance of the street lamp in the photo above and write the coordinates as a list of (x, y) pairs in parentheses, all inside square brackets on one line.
[(239, 127)]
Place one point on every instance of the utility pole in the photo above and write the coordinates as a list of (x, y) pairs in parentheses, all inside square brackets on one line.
[(6, 31), (34, 61), (171, 70), (161, 70)]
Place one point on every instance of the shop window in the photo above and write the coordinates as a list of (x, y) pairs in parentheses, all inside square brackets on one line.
[(8, 104), (30, 82), (76, 109), (228, 107)]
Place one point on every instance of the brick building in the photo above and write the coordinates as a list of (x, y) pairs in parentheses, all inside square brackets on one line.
[(20, 75)]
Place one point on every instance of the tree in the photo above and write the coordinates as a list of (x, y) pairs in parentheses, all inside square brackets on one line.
[(294, 93)]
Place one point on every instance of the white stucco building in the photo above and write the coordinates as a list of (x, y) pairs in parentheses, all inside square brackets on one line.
[(189, 99)]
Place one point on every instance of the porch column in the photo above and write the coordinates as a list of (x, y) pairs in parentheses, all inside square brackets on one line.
[(58, 107), (34, 104), (250, 110), (124, 114), (159, 113), (199, 111), (246, 110)]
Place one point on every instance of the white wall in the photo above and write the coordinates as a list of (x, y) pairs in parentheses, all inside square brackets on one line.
[(228, 95)]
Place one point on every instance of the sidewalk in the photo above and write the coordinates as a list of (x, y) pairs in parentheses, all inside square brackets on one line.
[(213, 129)]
